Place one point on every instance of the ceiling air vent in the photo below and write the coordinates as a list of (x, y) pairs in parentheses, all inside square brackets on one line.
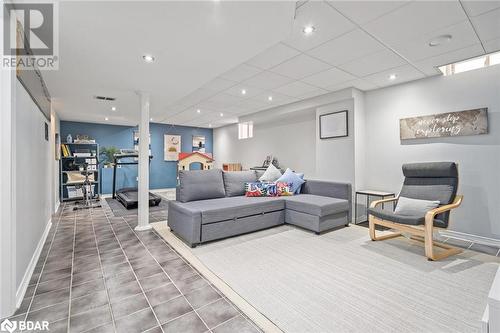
[(104, 98)]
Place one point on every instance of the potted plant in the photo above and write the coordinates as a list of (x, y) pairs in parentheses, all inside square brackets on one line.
[(107, 155)]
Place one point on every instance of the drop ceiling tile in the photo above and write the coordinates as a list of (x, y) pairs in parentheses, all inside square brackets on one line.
[(488, 25), (273, 56), (327, 21), (250, 91), (267, 80), (362, 12), (475, 8), (345, 48), (418, 48), (226, 99), (277, 99), (313, 93), (415, 19), (296, 89), (429, 65), (219, 84), (328, 78), (252, 104), (241, 73), (403, 74), (237, 109), (358, 83), (492, 45), (300, 66), (373, 63)]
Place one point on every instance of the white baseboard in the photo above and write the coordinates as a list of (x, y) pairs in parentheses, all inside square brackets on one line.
[(471, 238), (58, 204), (31, 266)]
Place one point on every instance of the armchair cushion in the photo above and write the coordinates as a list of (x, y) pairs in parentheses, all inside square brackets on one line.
[(403, 219), (414, 207)]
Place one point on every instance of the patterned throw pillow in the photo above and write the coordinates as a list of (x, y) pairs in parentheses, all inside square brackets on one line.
[(255, 189), (284, 189), (267, 189)]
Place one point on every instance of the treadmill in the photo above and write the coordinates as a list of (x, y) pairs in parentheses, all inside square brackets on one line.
[(127, 196)]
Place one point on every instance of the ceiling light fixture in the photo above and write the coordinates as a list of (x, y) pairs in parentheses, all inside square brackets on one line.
[(209, 125), (270, 98), (243, 91), (392, 77), (308, 29), (150, 119), (198, 111), (148, 58), (222, 114), (106, 118), (440, 40), (113, 108)]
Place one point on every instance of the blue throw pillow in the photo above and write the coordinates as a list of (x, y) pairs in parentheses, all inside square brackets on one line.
[(301, 175), (291, 178)]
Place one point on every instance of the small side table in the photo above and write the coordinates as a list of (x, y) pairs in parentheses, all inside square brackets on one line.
[(368, 194)]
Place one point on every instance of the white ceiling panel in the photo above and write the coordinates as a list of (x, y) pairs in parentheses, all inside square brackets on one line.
[(403, 74), (219, 84), (373, 63), (314, 93), (328, 78), (250, 91), (429, 65), (225, 99), (327, 21), (300, 66), (296, 89), (488, 25), (492, 45), (417, 48), (241, 73), (267, 80), (277, 99), (416, 19), (476, 7), (345, 48), (273, 56), (365, 11)]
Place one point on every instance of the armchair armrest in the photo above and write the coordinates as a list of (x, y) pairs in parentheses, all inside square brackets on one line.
[(378, 202), (429, 216)]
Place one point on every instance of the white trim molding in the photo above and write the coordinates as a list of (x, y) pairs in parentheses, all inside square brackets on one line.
[(470, 238), (31, 266)]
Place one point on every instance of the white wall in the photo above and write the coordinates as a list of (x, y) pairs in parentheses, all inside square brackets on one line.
[(478, 156), (290, 139), (33, 176)]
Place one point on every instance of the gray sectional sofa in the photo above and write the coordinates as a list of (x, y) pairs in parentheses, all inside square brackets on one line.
[(211, 204)]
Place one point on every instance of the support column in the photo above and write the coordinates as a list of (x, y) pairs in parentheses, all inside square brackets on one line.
[(143, 190)]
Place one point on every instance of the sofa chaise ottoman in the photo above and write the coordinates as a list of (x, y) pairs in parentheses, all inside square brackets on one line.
[(211, 205)]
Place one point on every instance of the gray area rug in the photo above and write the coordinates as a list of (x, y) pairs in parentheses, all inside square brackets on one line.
[(343, 282), (119, 210)]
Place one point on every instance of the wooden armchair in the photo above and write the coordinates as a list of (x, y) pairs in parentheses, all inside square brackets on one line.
[(425, 181)]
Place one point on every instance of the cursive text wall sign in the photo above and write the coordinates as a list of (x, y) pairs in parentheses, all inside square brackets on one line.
[(469, 122)]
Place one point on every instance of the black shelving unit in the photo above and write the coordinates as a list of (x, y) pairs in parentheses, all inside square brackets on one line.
[(67, 166)]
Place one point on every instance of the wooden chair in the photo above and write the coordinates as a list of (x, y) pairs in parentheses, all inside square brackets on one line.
[(436, 181)]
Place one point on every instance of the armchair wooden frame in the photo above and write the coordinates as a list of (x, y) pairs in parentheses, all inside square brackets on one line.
[(422, 233)]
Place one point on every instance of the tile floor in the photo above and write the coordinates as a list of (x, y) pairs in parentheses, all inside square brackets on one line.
[(96, 274)]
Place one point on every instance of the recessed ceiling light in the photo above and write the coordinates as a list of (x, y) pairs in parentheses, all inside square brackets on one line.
[(106, 118), (222, 114), (439, 40), (243, 91), (148, 58), (270, 98), (113, 108), (150, 119), (209, 125), (308, 29), (198, 111), (392, 77)]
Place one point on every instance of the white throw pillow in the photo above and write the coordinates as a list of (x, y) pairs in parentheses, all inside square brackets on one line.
[(272, 173), (414, 207)]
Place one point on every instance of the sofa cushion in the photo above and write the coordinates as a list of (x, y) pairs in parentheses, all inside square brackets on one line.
[(216, 210), (200, 185), (403, 219), (316, 205), (234, 181)]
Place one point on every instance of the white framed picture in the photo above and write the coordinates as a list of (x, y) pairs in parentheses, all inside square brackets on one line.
[(333, 125), (172, 147)]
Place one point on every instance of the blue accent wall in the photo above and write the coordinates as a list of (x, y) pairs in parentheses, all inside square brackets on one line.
[(163, 174)]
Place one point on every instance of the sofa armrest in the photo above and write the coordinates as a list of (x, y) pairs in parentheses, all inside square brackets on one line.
[(330, 189), (184, 222)]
